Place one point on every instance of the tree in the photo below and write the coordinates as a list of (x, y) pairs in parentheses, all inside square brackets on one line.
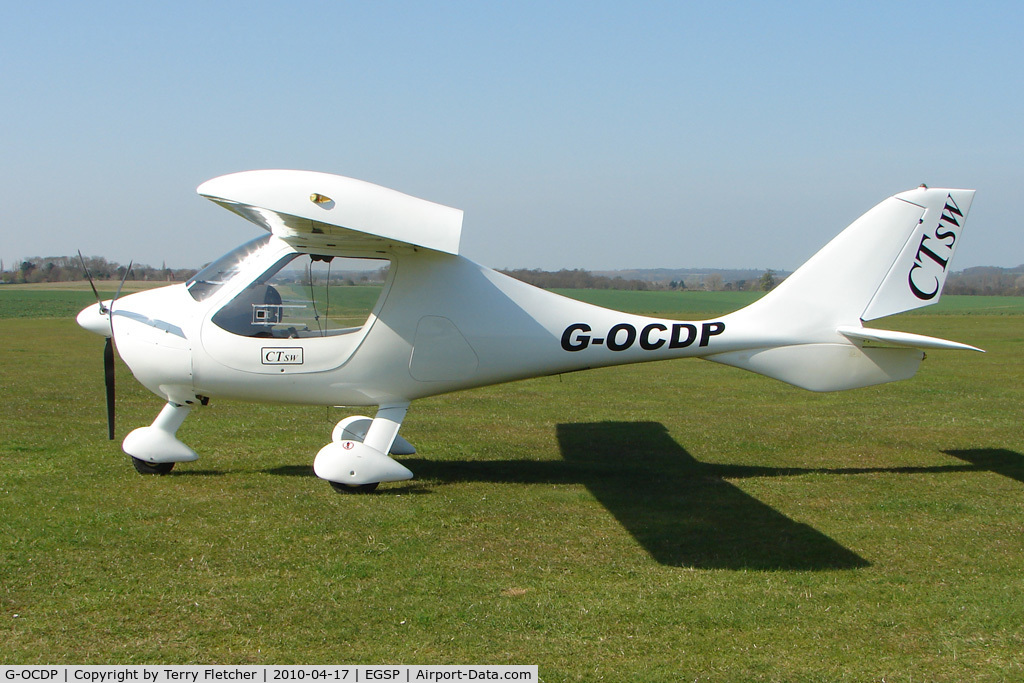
[(767, 282)]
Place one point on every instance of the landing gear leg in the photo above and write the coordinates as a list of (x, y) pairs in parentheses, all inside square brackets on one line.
[(357, 465), (155, 449)]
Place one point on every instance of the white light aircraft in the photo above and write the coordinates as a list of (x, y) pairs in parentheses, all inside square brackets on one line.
[(254, 325)]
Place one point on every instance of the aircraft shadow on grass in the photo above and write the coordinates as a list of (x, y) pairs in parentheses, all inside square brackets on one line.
[(682, 511), (998, 460)]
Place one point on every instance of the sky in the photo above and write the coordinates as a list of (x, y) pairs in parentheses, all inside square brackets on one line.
[(597, 135)]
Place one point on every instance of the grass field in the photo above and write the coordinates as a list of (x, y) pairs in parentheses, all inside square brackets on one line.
[(659, 522)]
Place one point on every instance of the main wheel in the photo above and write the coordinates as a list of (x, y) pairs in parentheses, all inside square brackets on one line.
[(143, 467), (354, 488)]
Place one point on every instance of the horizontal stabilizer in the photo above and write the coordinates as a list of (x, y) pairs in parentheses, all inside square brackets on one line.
[(903, 339)]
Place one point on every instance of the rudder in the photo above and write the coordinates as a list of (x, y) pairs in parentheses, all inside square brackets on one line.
[(919, 273)]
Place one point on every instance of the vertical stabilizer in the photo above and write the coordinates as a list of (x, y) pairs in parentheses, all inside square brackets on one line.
[(919, 272), (892, 259)]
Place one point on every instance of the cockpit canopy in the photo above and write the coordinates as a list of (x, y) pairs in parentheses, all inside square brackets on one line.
[(297, 296)]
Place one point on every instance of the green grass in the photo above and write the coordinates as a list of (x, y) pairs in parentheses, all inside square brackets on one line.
[(657, 522), (17, 302)]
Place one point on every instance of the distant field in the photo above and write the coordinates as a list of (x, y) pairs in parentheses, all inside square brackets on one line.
[(29, 301), (60, 299), (36, 301), (83, 285), (659, 522)]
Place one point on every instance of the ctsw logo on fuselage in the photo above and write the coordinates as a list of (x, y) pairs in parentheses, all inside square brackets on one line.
[(929, 268), (651, 337), (291, 355)]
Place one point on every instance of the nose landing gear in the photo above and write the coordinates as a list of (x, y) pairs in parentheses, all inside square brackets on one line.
[(155, 449)]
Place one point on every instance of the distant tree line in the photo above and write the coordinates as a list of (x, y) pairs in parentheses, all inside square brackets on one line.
[(987, 280), (584, 279), (69, 269), (577, 279), (984, 280)]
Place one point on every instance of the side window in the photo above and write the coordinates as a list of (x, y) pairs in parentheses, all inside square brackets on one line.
[(305, 296)]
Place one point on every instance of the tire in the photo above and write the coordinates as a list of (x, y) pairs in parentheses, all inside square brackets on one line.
[(359, 488), (143, 467)]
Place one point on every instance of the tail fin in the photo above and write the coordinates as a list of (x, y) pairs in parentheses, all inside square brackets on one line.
[(892, 259)]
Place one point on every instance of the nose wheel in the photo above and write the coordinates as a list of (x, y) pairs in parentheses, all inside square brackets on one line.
[(155, 449)]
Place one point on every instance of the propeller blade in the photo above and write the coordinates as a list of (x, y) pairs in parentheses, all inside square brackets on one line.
[(117, 295), (108, 347), (108, 355), (91, 283), (126, 271), (108, 376)]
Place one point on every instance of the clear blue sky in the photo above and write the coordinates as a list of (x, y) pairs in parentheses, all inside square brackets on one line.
[(573, 134)]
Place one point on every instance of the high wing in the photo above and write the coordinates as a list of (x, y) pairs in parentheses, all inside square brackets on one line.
[(328, 214)]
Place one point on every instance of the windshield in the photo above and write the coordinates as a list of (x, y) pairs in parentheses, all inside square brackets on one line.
[(212, 277)]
